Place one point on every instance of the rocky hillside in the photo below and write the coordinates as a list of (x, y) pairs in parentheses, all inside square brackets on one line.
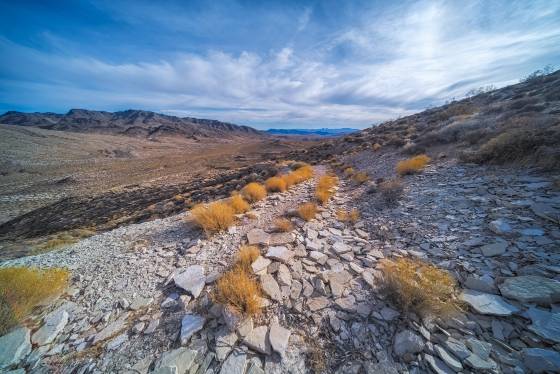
[(129, 122)]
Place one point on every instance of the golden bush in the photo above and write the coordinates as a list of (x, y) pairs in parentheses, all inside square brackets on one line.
[(240, 290), (283, 225), (412, 165), (360, 177), (239, 204), (352, 215), (247, 255), (324, 188), (213, 217), (253, 192), (307, 211), (275, 184)]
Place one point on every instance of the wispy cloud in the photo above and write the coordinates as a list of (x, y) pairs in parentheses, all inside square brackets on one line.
[(362, 72)]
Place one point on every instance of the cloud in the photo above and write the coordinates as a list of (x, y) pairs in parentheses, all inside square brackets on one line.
[(358, 74)]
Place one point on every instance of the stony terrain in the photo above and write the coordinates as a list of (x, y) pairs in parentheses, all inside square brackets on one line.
[(141, 295)]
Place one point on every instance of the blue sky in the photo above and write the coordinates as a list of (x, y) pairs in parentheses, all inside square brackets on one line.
[(268, 64)]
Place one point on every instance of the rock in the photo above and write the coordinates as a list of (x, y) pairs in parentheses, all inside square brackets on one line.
[(14, 347), (152, 326), (231, 317), (479, 363), (438, 366), (177, 361), (190, 324), (457, 347), (111, 329), (380, 368), (116, 342), (235, 363), (485, 303), (281, 238), (340, 248), (407, 341), (258, 340), (540, 360), (254, 369), (531, 289), (284, 276), (545, 324), (485, 283), (494, 249), (245, 327), (348, 304), (258, 236), (280, 253), (500, 227), (317, 303), (191, 280), (54, 323), (546, 211), (260, 264), (270, 287), (225, 342), (318, 257), (389, 314), (337, 281), (279, 337), (449, 360), (140, 302), (532, 232), (295, 289)]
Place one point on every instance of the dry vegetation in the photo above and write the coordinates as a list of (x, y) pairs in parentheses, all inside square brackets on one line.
[(283, 225), (21, 289), (349, 171), (307, 211), (238, 287), (412, 165), (253, 192), (391, 190), (63, 239), (360, 177), (348, 215), (325, 188), (300, 174), (213, 217), (275, 184), (238, 204), (419, 287)]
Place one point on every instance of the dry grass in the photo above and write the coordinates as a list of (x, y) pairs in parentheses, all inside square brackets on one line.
[(21, 289), (253, 192), (301, 174), (348, 215), (324, 189), (238, 204), (240, 290), (64, 239), (283, 225), (349, 171), (420, 287), (307, 211), (246, 256), (275, 184), (360, 177), (412, 165), (391, 190), (213, 217), (376, 147)]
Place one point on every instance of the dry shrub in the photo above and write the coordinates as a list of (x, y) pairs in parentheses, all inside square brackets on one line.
[(247, 255), (238, 204), (213, 217), (391, 190), (376, 147), (283, 225), (348, 171), (21, 289), (348, 215), (307, 211), (179, 198), (240, 290), (301, 174), (420, 287), (324, 189), (64, 239), (253, 192), (412, 165), (275, 184), (360, 177)]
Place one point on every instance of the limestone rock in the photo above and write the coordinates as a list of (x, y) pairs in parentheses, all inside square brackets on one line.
[(317, 303), (485, 303), (191, 280), (54, 323), (407, 341), (531, 289), (279, 337), (14, 347), (235, 363), (190, 324), (280, 253), (341, 248), (225, 342), (111, 329), (177, 361), (258, 340), (270, 287), (260, 264), (258, 236)]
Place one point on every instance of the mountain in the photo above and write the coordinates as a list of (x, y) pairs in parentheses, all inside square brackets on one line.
[(317, 132), (129, 122)]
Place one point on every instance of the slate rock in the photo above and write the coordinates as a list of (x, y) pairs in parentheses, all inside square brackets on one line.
[(177, 361), (190, 324), (14, 347), (486, 303), (494, 249), (545, 324), (191, 280), (270, 287), (54, 323), (540, 360), (280, 253), (112, 329), (317, 303), (225, 342), (531, 289), (407, 341), (279, 338), (449, 360), (260, 265), (235, 363), (438, 366), (258, 340), (258, 236), (500, 227)]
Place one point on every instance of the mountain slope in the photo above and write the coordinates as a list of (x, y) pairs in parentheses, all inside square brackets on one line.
[(129, 122)]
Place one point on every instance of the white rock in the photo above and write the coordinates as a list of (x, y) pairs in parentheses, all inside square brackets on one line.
[(191, 280), (14, 347), (258, 236), (270, 287), (280, 253), (190, 324), (260, 264), (54, 323), (279, 338), (258, 340), (487, 303)]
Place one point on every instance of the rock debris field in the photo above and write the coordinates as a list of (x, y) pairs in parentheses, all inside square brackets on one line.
[(140, 296)]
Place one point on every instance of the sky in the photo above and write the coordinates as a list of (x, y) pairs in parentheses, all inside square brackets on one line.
[(284, 64)]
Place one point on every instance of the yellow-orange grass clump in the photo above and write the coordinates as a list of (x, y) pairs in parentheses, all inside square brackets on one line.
[(253, 192), (420, 287), (360, 177), (239, 204), (376, 147), (213, 217), (22, 288), (283, 225), (348, 215), (275, 184), (412, 165), (299, 175), (348, 171), (238, 287), (307, 211), (324, 188)]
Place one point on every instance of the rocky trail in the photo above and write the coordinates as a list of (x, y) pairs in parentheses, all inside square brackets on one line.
[(140, 298)]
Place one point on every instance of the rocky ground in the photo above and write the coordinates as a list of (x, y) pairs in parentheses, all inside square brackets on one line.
[(140, 299)]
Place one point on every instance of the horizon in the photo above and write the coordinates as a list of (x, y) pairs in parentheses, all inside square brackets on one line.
[(299, 65)]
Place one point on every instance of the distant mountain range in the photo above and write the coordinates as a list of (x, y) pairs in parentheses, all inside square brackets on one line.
[(129, 122), (315, 132)]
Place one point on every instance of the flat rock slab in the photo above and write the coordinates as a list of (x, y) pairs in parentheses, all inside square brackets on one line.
[(279, 338), (317, 303), (111, 329), (545, 324), (258, 340), (271, 287), (140, 302), (14, 347), (407, 341), (258, 236), (485, 303), (494, 249), (546, 211), (531, 289), (177, 361), (281, 238), (54, 323), (540, 360), (225, 342), (190, 324), (191, 280), (280, 253), (260, 264), (438, 366), (235, 363), (340, 248)]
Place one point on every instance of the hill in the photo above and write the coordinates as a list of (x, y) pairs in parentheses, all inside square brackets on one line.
[(138, 123)]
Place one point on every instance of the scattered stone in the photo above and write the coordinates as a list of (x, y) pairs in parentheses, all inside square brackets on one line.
[(318, 257), (449, 360), (494, 249), (280, 253), (260, 264), (407, 342), (485, 303), (340, 248), (152, 326), (225, 342), (112, 329), (190, 324), (140, 302), (54, 323), (191, 280), (348, 304), (235, 363), (545, 324), (116, 342), (177, 361), (258, 340), (258, 236), (531, 289), (532, 232), (14, 347), (458, 348), (270, 287), (279, 338), (281, 238), (317, 303), (438, 366), (389, 314), (500, 227), (540, 360), (484, 283)]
